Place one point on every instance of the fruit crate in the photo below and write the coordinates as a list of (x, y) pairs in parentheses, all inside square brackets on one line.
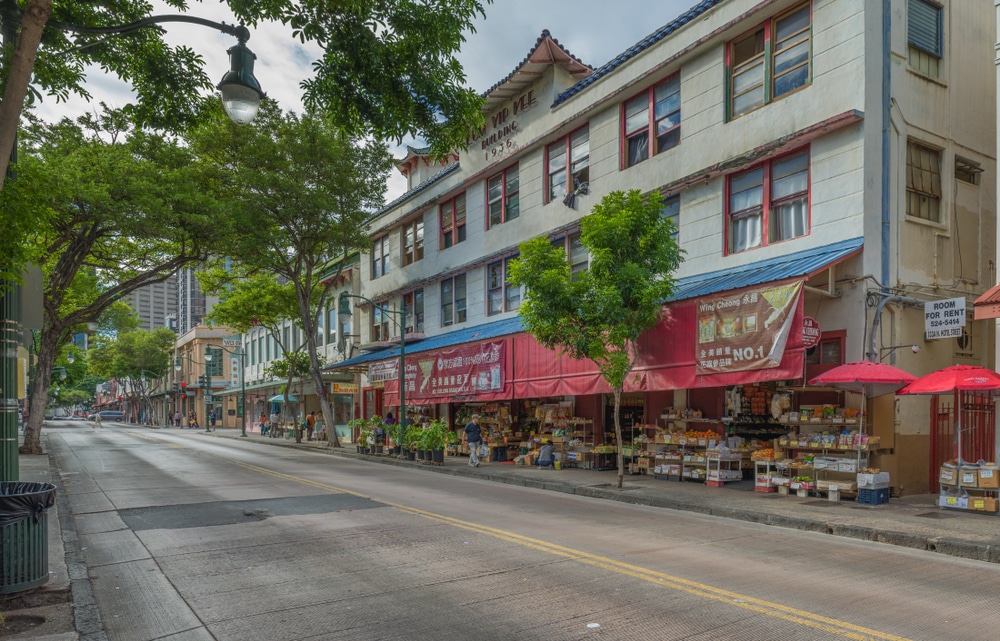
[(873, 497)]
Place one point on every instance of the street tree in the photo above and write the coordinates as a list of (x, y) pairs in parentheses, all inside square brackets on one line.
[(301, 190), (116, 210), (258, 300), (133, 358), (388, 67), (599, 314)]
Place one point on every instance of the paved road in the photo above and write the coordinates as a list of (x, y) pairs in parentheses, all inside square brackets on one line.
[(189, 538)]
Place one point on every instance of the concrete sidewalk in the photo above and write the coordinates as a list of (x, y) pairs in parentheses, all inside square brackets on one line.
[(910, 521)]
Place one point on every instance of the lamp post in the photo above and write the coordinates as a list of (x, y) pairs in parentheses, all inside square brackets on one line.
[(241, 96), (243, 385), (208, 387), (344, 315)]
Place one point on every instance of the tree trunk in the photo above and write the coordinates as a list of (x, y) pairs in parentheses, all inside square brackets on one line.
[(48, 347), (618, 436), (316, 372), (36, 14)]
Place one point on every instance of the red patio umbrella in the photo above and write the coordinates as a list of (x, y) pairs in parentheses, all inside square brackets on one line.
[(865, 377), (954, 380)]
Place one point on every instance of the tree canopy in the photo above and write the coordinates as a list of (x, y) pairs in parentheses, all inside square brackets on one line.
[(599, 314)]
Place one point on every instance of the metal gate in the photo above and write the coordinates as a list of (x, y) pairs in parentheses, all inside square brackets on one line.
[(978, 438)]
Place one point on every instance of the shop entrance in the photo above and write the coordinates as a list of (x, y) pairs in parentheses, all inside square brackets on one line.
[(978, 436)]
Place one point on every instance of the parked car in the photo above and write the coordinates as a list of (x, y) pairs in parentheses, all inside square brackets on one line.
[(108, 415)]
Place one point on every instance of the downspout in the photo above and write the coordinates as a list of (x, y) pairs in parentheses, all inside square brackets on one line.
[(886, 123)]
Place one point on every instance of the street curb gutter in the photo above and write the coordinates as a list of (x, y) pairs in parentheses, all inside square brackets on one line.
[(947, 546)]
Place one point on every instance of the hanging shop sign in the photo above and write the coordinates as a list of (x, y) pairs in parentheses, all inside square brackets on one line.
[(381, 371), (462, 370), (745, 329), (344, 388), (810, 332), (944, 318)]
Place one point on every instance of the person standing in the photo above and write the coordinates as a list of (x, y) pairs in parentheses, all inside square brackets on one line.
[(177, 418), (211, 419), (474, 437), (310, 425), (263, 423), (97, 421), (275, 418)]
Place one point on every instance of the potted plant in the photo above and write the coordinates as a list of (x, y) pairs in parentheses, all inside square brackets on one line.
[(378, 434), (411, 441), (364, 431), (435, 438), (392, 432)]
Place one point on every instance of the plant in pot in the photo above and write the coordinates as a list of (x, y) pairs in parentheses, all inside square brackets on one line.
[(411, 442), (436, 437), (392, 431), (378, 433), (361, 427), (453, 442)]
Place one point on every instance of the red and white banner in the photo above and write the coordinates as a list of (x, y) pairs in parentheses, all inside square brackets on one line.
[(477, 371)]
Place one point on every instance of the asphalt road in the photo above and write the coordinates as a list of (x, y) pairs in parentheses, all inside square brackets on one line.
[(188, 538)]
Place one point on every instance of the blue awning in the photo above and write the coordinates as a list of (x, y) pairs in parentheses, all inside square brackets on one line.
[(798, 264), (802, 263)]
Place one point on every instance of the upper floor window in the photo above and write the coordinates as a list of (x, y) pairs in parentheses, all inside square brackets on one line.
[(923, 182), (331, 320), (771, 61), (924, 35), (453, 300), (769, 203), (413, 241), (214, 367), (672, 210), (380, 257), (503, 197), (501, 296), (576, 254), (568, 163), (654, 115), (453, 221), (380, 322), (413, 305)]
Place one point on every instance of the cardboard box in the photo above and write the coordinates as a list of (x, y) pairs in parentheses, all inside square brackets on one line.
[(968, 478), (643, 462), (989, 477), (948, 476), (957, 502), (983, 504)]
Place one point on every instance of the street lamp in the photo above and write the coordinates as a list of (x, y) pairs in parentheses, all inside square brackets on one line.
[(243, 384), (208, 387), (344, 315)]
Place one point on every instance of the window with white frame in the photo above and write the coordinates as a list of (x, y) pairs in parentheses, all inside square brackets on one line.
[(924, 36), (453, 300), (568, 163), (380, 322), (576, 254), (380, 257), (652, 121), (453, 221), (413, 304), (770, 61), (923, 182), (413, 241), (501, 296), (502, 194), (769, 203)]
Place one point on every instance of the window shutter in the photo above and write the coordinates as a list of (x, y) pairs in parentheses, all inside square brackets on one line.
[(924, 26)]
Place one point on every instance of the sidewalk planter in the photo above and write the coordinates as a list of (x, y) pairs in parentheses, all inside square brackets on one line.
[(411, 455), (24, 532), (437, 456)]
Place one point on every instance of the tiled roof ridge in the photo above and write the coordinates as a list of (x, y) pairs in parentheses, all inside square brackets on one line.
[(416, 190), (661, 33), (546, 35)]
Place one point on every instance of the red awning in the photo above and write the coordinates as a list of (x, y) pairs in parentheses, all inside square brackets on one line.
[(987, 305)]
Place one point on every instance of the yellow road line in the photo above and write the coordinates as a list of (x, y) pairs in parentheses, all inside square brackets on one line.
[(760, 606)]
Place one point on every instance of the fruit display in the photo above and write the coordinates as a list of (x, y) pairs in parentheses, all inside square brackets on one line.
[(766, 454)]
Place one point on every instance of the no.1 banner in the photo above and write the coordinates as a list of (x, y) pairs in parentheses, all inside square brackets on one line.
[(745, 329)]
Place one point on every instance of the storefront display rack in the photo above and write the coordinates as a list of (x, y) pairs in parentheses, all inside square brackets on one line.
[(690, 464), (970, 487), (723, 468)]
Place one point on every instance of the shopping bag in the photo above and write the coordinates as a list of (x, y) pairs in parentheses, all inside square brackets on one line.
[(484, 451)]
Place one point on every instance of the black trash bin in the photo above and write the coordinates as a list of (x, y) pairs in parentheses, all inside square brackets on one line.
[(24, 535)]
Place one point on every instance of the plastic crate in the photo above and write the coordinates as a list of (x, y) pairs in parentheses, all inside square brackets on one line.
[(873, 497)]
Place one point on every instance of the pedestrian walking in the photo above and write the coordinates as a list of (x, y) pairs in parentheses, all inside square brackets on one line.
[(263, 424), (275, 419), (211, 419), (310, 425), (97, 421), (474, 437), (177, 418)]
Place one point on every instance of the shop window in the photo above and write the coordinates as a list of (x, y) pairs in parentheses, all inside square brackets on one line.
[(923, 182), (672, 211), (827, 354), (413, 242), (503, 197), (453, 300), (769, 203), (925, 36), (380, 257), (501, 296), (771, 61), (453, 221), (380, 322), (568, 164), (652, 121), (413, 304)]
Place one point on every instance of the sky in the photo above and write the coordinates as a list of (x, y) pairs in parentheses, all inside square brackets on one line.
[(595, 31)]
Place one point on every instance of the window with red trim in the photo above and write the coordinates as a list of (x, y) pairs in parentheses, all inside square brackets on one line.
[(501, 296), (503, 198), (768, 203), (568, 164), (654, 115), (453, 221)]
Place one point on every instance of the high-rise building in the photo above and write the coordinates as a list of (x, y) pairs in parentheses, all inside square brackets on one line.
[(192, 303), (154, 303)]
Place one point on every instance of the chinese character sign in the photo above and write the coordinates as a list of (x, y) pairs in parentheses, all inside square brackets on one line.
[(235, 371), (381, 371), (466, 369), (745, 329)]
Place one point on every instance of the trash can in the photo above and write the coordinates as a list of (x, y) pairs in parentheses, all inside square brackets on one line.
[(24, 535)]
